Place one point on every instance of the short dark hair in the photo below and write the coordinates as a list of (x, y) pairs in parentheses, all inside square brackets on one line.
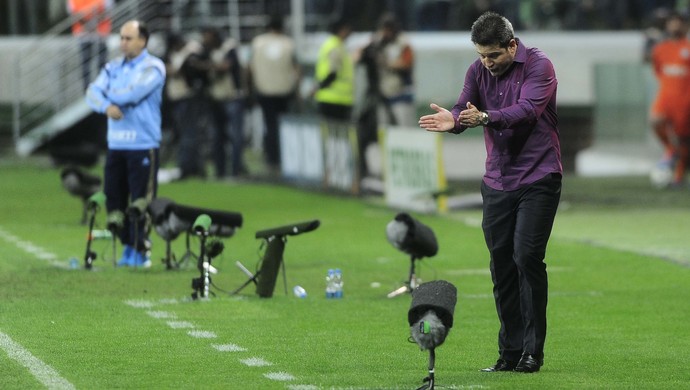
[(144, 31), (275, 23), (339, 25), (389, 21), (677, 15), (492, 29)]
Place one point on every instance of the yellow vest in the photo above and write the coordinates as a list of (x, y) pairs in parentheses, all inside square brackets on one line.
[(341, 90)]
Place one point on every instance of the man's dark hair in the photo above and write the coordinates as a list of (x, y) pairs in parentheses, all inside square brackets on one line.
[(338, 25), (492, 29), (144, 31), (215, 35), (389, 21), (683, 17), (275, 23)]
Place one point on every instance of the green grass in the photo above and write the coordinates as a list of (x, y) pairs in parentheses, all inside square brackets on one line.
[(618, 308)]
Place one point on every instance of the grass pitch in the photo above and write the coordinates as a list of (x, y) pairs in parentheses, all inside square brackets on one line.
[(618, 309)]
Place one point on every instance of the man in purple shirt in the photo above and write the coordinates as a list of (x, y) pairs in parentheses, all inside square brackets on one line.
[(511, 91)]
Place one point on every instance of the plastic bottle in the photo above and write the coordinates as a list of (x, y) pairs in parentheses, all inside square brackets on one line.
[(299, 292), (101, 234), (330, 287), (338, 283), (73, 263)]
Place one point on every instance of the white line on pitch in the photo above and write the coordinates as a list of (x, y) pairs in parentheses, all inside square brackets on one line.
[(255, 362), (202, 334), (180, 324), (279, 376), (162, 314), (140, 303), (41, 371), (229, 348), (31, 248)]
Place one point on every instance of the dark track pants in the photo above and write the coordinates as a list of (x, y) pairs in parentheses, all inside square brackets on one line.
[(130, 175), (517, 225)]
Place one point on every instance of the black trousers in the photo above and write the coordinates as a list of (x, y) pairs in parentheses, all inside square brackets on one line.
[(130, 175), (335, 111), (272, 107), (517, 225)]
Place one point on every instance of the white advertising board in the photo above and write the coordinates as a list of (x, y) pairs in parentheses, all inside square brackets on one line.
[(413, 170)]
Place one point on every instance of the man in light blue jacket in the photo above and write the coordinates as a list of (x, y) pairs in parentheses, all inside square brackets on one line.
[(128, 90)]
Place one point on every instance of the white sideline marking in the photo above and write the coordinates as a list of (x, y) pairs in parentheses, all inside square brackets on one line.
[(31, 248), (279, 376), (256, 362), (202, 334), (41, 371), (180, 324), (140, 303), (161, 314), (228, 348)]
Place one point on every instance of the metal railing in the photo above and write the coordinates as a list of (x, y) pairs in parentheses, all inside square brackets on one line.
[(47, 76), (47, 83)]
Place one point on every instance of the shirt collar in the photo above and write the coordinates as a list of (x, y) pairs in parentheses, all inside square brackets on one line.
[(521, 54), (134, 61)]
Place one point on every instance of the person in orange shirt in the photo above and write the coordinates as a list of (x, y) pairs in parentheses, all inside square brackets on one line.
[(91, 25), (670, 112)]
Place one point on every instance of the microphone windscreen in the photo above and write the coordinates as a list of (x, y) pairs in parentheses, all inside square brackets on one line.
[(115, 221), (396, 231), (71, 182), (96, 200), (202, 223), (439, 296), (420, 240), (138, 208), (159, 209), (429, 331), (214, 247), (79, 181), (171, 227), (227, 218)]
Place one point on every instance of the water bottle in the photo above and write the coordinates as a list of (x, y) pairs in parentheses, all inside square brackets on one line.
[(338, 283), (330, 286), (299, 292), (73, 263), (101, 234)]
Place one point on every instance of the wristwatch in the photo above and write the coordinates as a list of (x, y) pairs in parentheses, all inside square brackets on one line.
[(485, 118)]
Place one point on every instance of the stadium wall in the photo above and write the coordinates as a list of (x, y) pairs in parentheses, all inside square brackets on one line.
[(599, 94), (441, 60)]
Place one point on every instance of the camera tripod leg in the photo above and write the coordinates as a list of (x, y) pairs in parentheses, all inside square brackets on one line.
[(252, 278), (429, 380), (411, 284)]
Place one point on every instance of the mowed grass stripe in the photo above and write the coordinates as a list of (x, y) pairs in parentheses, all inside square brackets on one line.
[(41, 371), (617, 320)]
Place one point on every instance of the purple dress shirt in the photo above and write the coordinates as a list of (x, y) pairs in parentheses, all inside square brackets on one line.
[(522, 139)]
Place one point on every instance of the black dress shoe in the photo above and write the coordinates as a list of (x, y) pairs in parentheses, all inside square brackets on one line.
[(528, 363), (501, 365)]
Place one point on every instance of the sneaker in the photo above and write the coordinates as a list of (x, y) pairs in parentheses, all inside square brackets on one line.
[(126, 260), (139, 260), (668, 161)]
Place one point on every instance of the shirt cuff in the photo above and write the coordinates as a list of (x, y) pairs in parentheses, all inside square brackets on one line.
[(105, 106), (458, 128)]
